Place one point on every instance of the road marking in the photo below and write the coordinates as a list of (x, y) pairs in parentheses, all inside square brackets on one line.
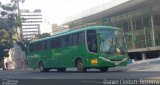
[(37, 78), (147, 74), (92, 81), (9, 76)]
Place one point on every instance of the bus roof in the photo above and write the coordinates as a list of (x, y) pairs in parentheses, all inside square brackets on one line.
[(78, 30)]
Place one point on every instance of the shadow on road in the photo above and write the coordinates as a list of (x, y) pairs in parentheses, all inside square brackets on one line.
[(90, 71)]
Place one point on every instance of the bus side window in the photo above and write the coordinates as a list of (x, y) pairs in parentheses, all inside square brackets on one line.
[(70, 40), (31, 46), (41, 46), (92, 41), (45, 45), (49, 44), (38, 46), (75, 39), (64, 41), (52, 43), (81, 38), (61, 42), (55, 43)]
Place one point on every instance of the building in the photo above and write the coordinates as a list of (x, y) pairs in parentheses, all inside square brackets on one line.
[(32, 23), (140, 20), (58, 29)]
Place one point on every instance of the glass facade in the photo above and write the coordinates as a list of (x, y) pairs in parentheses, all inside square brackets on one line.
[(141, 26), (157, 28)]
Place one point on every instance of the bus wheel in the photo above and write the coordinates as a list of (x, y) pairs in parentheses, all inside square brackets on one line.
[(80, 66), (41, 67), (61, 69), (34, 68), (103, 69)]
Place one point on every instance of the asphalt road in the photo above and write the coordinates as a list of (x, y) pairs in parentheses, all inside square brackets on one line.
[(72, 77), (92, 74), (114, 76)]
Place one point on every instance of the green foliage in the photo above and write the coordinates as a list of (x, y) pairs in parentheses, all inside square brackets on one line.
[(5, 39), (9, 7), (9, 21), (3, 23), (43, 35), (18, 21), (5, 43)]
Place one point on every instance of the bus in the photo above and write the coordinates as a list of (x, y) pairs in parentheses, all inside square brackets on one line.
[(97, 47)]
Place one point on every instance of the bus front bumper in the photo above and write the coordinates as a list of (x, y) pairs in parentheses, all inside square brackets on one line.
[(104, 62)]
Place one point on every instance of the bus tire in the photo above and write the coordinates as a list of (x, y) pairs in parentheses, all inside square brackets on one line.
[(61, 69), (103, 69), (34, 68), (41, 67), (80, 66)]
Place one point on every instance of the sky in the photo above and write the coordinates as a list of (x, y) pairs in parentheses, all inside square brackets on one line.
[(56, 11)]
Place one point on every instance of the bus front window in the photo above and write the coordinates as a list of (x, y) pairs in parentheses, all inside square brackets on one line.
[(111, 41)]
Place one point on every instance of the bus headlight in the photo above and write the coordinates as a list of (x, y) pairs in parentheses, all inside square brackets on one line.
[(125, 59)]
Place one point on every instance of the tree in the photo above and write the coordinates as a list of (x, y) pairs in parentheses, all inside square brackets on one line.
[(5, 43), (43, 35), (9, 22)]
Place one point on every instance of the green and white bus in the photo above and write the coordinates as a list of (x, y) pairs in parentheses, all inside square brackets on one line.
[(97, 47)]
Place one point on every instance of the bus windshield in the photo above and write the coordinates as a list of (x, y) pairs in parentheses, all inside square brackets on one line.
[(111, 41)]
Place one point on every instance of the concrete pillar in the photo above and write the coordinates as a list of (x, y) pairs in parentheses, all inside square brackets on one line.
[(144, 56), (132, 30), (152, 30)]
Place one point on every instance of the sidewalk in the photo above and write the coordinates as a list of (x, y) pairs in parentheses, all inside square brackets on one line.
[(145, 65)]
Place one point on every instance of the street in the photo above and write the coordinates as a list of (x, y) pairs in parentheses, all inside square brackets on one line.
[(132, 72), (72, 77), (35, 74), (149, 70)]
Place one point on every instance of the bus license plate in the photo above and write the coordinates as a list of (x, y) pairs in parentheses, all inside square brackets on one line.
[(116, 63)]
